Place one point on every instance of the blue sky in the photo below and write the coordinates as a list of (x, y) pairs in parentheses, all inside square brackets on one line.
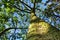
[(46, 19), (42, 6)]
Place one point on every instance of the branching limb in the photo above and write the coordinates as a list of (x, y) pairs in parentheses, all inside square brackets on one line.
[(25, 4), (19, 8), (1, 33), (53, 13), (25, 7), (56, 15)]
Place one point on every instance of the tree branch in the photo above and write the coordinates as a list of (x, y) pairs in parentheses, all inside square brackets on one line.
[(19, 8), (25, 4), (1, 33), (38, 9), (25, 7), (53, 13), (56, 15)]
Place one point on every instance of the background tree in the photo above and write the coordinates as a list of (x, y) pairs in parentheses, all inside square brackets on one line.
[(15, 16)]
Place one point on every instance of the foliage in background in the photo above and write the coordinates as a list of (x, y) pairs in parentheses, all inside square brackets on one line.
[(15, 13)]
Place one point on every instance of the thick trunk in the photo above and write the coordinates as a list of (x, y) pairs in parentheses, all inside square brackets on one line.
[(40, 30)]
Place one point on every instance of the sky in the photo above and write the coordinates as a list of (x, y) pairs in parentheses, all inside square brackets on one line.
[(43, 7), (30, 4)]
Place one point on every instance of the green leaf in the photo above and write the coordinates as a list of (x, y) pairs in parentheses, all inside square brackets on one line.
[(15, 19), (37, 1), (2, 27), (3, 17), (7, 9)]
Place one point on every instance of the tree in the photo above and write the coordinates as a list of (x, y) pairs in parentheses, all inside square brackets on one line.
[(38, 29)]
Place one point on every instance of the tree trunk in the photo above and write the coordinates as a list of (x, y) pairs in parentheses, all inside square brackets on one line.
[(41, 30)]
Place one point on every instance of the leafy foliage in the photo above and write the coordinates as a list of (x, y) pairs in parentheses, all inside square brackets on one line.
[(16, 13)]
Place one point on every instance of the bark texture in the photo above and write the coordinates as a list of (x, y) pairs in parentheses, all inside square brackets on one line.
[(41, 30)]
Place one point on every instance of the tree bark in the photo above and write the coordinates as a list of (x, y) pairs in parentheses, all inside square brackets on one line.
[(41, 30)]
